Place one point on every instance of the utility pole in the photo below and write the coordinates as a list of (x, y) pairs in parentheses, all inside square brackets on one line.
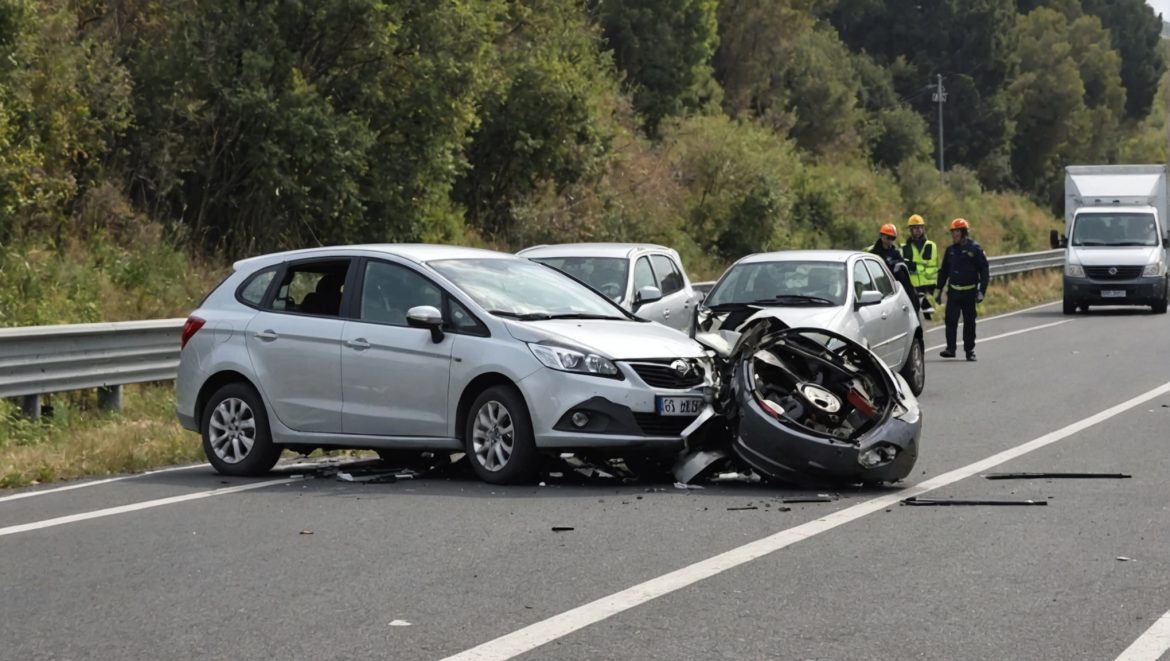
[(940, 97)]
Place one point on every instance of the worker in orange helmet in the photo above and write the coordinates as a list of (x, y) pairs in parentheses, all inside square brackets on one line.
[(965, 275), (887, 248)]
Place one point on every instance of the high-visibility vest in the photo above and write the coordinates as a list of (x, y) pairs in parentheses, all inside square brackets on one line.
[(925, 273)]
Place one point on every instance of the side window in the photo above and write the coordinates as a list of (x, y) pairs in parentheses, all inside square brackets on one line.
[(880, 277), (312, 288), (252, 292), (460, 320), (389, 291), (643, 275), (861, 280), (668, 274)]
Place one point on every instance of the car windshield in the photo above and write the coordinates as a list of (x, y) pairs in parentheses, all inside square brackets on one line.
[(783, 283), (518, 288), (1115, 229), (605, 274)]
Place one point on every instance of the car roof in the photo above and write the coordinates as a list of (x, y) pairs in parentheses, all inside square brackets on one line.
[(415, 252), (800, 256), (590, 249)]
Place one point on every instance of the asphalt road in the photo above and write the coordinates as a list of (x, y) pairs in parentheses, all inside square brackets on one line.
[(161, 568)]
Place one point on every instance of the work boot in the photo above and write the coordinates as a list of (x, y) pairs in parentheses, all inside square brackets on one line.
[(948, 353), (927, 313), (971, 356)]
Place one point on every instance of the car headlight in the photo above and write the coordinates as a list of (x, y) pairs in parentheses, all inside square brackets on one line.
[(1153, 270), (571, 360), (1074, 271)]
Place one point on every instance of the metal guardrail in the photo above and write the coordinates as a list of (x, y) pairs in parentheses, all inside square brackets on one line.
[(37, 360)]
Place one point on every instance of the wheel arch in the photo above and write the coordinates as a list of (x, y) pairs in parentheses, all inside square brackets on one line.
[(473, 390)]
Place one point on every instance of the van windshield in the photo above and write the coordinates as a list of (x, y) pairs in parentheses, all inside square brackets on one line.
[(1115, 229)]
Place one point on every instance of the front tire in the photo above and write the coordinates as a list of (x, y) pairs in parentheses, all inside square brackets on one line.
[(914, 371), (236, 436), (499, 439), (1159, 307), (1070, 306)]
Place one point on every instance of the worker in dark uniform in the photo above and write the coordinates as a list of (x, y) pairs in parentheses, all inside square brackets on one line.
[(964, 274), (886, 247)]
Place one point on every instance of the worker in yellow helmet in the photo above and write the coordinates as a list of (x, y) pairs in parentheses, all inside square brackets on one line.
[(921, 255)]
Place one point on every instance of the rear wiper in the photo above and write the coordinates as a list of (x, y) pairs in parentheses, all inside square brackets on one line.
[(527, 316), (795, 299)]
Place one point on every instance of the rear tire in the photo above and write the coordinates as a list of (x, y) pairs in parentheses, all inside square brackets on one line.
[(236, 436), (914, 371), (1070, 306), (498, 438)]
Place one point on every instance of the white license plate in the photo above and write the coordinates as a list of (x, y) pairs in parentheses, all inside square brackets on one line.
[(680, 405), (1113, 293)]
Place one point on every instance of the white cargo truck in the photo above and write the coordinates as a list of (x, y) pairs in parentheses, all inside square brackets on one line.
[(1115, 236)]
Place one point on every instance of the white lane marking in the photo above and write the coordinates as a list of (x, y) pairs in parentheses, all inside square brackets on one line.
[(94, 483), (1152, 644), (543, 632), (134, 507), (998, 316), (1003, 335)]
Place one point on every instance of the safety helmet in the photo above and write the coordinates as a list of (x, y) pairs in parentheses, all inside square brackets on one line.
[(889, 230), (960, 224), (915, 220)]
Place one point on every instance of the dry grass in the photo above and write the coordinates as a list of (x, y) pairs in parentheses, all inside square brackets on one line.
[(81, 441)]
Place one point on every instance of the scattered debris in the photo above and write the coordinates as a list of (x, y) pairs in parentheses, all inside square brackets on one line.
[(1123, 558), (1028, 476), (736, 509), (399, 623), (819, 498), (562, 528), (684, 487), (306, 531), (914, 500)]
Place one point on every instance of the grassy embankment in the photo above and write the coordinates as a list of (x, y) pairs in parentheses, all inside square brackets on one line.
[(82, 285)]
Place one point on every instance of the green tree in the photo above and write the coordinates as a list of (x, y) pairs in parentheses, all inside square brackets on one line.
[(548, 121), (1137, 32), (290, 123), (664, 47)]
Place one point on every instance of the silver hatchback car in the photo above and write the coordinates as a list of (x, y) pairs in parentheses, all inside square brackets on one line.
[(410, 348)]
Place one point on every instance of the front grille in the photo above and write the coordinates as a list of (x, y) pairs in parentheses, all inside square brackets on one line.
[(1121, 272), (662, 375), (653, 424)]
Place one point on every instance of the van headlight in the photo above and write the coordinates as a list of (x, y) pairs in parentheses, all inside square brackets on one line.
[(1074, 271), (1154, 270), (571, 360)]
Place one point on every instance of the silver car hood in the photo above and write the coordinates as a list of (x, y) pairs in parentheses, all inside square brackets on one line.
[(616, 340), (722, 341), (1115, 255)]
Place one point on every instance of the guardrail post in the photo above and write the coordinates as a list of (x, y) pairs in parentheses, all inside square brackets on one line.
[(30, 406), (110, 398)]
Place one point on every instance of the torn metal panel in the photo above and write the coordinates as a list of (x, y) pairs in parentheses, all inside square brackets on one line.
[(928, 502), (1046, 476)]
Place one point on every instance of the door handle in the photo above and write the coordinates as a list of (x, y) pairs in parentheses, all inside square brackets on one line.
[(666, 313), (884, 315), (267, 335), (359, 343)]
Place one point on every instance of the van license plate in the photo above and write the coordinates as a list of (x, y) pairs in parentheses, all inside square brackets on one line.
[(680, 405), (1113, 293)]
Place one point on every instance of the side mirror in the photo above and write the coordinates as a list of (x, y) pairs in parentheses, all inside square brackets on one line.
[(1057, 240), (427, 316), (1166, 242), (869, 297), (647, 295)]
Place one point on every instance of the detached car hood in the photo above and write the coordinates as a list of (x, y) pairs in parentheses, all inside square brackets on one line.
[(1115, 255), (617, 340)]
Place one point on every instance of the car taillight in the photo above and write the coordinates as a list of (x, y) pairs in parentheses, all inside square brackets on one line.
[(189, 329)]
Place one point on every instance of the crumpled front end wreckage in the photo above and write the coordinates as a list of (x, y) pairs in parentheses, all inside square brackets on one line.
[(799, 403)]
